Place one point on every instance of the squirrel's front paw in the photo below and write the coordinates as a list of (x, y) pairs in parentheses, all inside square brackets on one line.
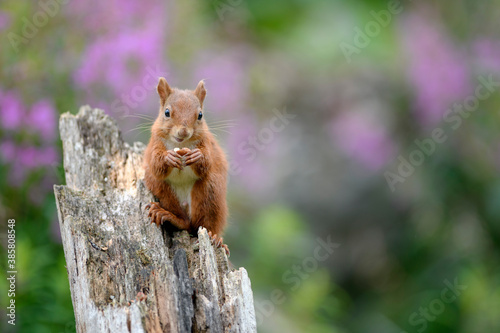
[(173, 159), (193, 156)]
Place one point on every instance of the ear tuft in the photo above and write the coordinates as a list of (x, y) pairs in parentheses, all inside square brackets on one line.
[(163, 89), (200, 92)]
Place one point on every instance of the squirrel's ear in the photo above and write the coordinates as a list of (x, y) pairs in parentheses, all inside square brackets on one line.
[(200, 92), (163, 89)]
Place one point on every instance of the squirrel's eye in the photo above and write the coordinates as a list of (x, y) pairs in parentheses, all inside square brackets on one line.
[(167, 113), (200, 115)]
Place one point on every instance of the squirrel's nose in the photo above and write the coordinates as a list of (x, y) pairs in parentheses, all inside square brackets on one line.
[(182, 133)]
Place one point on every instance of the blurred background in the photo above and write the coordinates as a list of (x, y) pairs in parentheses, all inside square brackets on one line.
[(364, 139)]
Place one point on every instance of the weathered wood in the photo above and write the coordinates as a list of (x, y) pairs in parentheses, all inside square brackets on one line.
[(113, 252)]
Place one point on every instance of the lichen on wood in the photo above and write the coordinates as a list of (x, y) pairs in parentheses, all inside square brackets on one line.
[(125, 274)]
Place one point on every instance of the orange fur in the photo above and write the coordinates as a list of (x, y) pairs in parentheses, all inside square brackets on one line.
[(208, 194)]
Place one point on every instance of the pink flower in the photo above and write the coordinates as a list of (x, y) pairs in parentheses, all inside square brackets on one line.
[(438, 70), (129, 50), (5, 20), (248, 168), (8, 150), (128, 64), (124, 55), (487, 52), (23, 159), (108, 17), (363, 140), (226, 81), (47, 156), (28, 157), (17, 175), (43, 119), (12, 110)]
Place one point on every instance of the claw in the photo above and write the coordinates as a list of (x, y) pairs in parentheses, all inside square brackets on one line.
[(157, 216), (193, 156), (218, 242), (173, 159), (227, 250)]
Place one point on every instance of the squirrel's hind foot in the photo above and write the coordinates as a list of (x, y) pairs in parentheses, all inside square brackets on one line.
[(217, 241), (159, 216), (156, 213)]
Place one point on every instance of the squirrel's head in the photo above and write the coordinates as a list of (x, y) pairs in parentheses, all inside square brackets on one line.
[(181, 112)]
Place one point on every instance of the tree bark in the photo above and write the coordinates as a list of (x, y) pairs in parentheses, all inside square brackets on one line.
[(113, 252)]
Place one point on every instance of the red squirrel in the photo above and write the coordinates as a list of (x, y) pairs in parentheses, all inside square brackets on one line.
[(185, 168)]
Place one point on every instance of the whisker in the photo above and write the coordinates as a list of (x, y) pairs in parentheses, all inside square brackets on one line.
[(137, 115), (219, 130), (145, 124), (222, 123), (207, 131), (217, 125), (221, 127), (140, 127), (144, 120), (140, 133), (222, 120), (141, 130)]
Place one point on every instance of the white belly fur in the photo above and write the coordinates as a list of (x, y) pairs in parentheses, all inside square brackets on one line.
[(182, 181)]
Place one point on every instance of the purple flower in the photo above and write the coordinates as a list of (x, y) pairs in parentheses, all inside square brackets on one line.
[(28, 157), (10, 154), (43, 119), (8, 150), (12, 110), (438, 70), (23, 159), (125, 56), (32, 157), (487, 52), (5, 20), (248, 167), (129, 64), (120, 61), (362, 139), (226, 80), (105, 17), (17, 175), (47, 156)]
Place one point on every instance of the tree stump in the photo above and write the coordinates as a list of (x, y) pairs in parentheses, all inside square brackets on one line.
[(125, 274)]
